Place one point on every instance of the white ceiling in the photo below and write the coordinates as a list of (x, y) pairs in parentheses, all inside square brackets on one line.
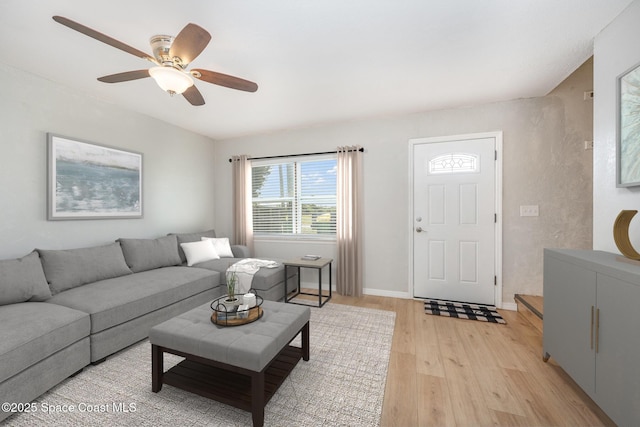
[(314, 61)]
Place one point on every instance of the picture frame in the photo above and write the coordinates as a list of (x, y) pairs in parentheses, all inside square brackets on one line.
[(628, 128), (91, 181)]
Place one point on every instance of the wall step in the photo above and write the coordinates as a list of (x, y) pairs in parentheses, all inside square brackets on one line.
[(531, 308)]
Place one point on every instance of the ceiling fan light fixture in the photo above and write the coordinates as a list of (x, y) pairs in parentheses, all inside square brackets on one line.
[(171, 55), (171, 79)]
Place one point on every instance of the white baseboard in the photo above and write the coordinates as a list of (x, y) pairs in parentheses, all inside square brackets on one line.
[(365, 291), (385, 293), (512, 306), (397, 294)]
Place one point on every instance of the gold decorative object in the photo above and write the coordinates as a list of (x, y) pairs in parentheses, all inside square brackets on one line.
[(621, 234)]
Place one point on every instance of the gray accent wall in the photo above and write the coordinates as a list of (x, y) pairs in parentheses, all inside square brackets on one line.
[(544, 163), (616, 50), (177, 166)]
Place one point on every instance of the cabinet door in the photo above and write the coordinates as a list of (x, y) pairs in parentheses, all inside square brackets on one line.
[(618, 357), (569, 294)]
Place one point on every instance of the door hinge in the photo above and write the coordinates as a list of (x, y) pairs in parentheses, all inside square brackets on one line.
[(495, 280), (496, 155), (495, 218)]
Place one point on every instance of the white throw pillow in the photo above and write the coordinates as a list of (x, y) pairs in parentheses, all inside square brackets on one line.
[(197, 252), (221, 246)]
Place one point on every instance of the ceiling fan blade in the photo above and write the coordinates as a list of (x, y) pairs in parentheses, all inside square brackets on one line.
[(102, 37), (194, 96), (125, 77), (189, 43), (224, 80)]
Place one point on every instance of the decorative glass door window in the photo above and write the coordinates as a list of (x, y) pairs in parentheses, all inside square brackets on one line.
[(453, 163)]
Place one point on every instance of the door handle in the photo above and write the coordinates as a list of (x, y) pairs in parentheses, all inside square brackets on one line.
[(419, 229)]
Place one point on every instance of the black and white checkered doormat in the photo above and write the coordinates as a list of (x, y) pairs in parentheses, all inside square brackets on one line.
[(463, 310)]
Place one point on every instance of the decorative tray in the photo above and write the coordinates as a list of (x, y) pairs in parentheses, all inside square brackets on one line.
[(229, 313)]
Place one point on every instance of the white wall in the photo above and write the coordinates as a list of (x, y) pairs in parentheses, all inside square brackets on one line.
[(177, 174), (616, 50), (544, 163)]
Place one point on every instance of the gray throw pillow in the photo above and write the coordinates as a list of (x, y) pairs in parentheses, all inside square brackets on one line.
[(23, 280), (191, 237), (69, 268), (148, 254)]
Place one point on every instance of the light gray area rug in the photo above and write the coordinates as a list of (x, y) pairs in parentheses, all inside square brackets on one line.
[(341, 385)]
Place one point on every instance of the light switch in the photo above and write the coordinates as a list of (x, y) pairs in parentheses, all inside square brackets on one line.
[(529, 210)]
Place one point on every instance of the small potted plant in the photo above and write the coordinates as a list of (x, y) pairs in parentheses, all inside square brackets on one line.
[(232, 281)]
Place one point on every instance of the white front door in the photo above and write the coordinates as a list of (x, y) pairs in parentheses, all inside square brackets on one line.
[(454, 219)]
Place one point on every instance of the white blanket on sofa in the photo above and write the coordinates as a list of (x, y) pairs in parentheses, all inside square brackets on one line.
[(245, 270)]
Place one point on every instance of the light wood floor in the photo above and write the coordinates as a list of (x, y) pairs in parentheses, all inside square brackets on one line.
[(454, 372)]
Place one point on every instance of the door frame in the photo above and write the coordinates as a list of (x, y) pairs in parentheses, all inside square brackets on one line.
[(498, 204)]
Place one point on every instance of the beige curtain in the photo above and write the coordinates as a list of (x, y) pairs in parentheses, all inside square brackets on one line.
[(349, 222), (242, 212)]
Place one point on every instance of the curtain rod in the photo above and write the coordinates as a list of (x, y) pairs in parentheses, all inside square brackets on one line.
[(296, 155)]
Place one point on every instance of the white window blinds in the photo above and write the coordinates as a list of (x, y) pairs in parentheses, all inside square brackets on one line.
[(294, 196)]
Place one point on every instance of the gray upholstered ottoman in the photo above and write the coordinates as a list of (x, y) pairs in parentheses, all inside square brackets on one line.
[(242, 366)]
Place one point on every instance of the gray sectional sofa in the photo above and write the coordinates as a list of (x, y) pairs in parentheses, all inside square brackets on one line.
[(63, 309)]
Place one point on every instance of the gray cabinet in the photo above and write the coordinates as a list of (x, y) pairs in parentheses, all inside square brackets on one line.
[(569, 296), (592, 326)]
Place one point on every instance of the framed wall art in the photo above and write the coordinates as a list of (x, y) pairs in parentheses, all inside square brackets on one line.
[(90, 181), (628, 164)]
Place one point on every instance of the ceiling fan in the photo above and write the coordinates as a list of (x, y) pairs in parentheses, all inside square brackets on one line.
[(171, 57)]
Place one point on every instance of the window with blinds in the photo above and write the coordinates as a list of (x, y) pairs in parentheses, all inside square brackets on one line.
[(294, 196)]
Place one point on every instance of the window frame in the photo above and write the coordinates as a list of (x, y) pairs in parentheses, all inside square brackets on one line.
[(297, 198)]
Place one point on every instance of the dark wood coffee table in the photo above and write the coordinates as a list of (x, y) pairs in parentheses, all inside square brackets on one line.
[(237, 365)]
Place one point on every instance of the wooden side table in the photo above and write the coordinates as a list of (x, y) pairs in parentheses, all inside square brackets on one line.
[(318, 264)]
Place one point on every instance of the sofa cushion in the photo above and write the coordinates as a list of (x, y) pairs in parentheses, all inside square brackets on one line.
[(263, 280), (220, 265), (32, 331), (199, 251), (69, 268), (23, 280), (147, 254), (115, 301), (191, 237), (240, 251), (221, 245)]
